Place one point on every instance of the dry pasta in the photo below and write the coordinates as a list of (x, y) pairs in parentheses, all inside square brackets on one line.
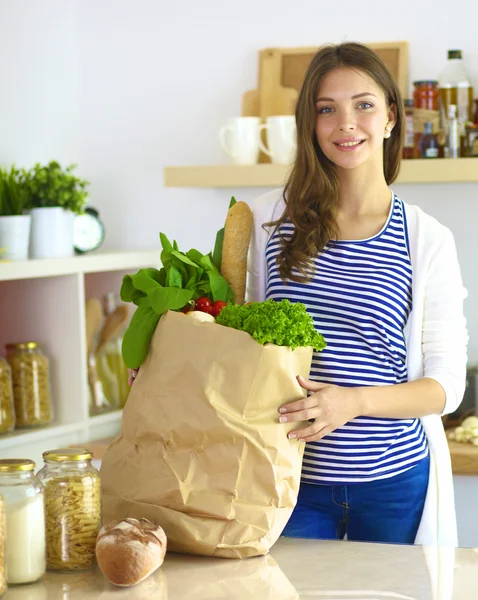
[(31, 387), (73, 520), (7, 417), (3, 579)]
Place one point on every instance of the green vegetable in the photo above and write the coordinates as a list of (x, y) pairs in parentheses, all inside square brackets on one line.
[(217, 254), (282, 323), (183, 277)]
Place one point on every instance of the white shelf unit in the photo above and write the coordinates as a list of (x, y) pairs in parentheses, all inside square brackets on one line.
[(43, 301)]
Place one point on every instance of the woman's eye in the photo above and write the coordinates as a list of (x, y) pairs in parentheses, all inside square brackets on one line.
[(324, 110), (365, 105)]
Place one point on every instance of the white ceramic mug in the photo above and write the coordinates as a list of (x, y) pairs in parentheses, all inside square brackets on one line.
[(281, 139), (239, 139)]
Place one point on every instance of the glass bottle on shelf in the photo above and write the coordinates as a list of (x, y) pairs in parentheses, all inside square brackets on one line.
[(7, 412), (3, 570), (455, 88), (409, 142), (22, 493), (31, 384), (72, 508), (453, 137), (426, 109), (428, 142), (113, 350)]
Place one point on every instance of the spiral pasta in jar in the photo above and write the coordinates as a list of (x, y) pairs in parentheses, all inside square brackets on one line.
[(31, 384), (7, 413), (3, 576), (72, 508)]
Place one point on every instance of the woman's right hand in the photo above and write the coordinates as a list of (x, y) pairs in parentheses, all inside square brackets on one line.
[(132, 375)]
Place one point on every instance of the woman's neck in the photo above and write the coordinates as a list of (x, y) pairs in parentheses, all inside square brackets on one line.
[(362, 191)]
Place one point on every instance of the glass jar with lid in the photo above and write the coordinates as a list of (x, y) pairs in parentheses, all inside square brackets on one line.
[(24, 520), (3, 575), (426, 108), (7, 412), (31, 384), (72, 508)]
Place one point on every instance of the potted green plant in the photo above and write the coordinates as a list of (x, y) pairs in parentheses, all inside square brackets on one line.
[(14, 223), (57, 196)]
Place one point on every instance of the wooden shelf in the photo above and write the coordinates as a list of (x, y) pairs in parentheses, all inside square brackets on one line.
[(44, 300), (440, 170), (96, 262)]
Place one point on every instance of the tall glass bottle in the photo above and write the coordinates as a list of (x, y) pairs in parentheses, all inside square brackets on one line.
[(455, 88)]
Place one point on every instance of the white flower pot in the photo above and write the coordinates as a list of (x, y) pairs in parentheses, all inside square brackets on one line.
[(14, 237), (52, 233)]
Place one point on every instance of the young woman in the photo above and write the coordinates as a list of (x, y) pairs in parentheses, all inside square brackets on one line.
[(382, 282)]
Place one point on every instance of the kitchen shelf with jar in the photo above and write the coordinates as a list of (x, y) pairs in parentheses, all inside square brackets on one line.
[(44, 301), (438, 170)]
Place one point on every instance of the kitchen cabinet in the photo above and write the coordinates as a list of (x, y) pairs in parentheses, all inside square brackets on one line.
[(44, 300)]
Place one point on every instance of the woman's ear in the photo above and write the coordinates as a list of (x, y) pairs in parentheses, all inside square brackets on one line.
[(392, 120)]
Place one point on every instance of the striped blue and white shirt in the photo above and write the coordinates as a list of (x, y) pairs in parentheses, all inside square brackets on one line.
[(360, 298)]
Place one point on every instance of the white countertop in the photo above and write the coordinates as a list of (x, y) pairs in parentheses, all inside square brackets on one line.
[(294, 569)]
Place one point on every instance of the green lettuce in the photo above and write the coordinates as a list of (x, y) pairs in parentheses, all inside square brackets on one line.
[(282, 323)]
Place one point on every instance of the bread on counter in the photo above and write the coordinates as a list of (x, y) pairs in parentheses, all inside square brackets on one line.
[(130, 550)]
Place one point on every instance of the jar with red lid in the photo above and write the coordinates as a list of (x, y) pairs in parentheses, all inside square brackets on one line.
[(426, 108)]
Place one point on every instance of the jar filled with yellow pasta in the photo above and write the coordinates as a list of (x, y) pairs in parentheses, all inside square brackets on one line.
[(31, 384), (3, 575), (7, 413), (72, 508)]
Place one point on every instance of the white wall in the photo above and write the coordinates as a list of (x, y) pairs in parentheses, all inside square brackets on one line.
[(125, 87)]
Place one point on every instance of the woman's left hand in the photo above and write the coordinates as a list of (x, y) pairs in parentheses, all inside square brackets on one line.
[(330, 405)]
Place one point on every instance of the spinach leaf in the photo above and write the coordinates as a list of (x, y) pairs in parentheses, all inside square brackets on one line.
[(137, 337), (220, 288), (169, 298)]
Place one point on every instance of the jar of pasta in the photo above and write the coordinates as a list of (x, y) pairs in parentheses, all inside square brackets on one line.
[(3, 577), (7, 414), (31, 384), (24, 521), (72, 508)]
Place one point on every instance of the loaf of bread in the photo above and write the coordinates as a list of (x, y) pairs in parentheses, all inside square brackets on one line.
[(237, 237), (130, 550)]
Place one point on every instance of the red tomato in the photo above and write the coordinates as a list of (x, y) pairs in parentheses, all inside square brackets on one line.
[(210, 310), (186, 309), (218, 306), (202, 304)]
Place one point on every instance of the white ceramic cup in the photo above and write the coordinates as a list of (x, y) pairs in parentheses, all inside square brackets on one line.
[(281, 139), (239, 139)]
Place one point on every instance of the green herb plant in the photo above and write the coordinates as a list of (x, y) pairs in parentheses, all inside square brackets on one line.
[(14, 196), (52, 185), (281, 323), (183, 278)]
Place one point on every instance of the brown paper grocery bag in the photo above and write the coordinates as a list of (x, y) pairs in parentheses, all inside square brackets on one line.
[(201, 451)]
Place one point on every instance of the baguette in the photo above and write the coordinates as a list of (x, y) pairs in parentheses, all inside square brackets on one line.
[(130, 550), (237, 237)]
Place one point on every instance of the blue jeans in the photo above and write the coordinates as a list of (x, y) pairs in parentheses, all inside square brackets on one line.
[(385, 510)]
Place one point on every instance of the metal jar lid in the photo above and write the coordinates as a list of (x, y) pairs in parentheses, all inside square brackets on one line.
[(14, 465), (68, 454)]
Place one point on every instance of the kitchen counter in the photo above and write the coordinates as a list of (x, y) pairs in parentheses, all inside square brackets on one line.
[(294, 569)]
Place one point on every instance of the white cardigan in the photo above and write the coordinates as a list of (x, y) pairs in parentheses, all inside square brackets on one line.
[(436, 337)]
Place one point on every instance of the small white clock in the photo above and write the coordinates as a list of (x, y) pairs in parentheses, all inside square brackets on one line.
[(88, 232)]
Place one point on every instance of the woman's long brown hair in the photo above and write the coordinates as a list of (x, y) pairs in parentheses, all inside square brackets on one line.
[(311, 191)]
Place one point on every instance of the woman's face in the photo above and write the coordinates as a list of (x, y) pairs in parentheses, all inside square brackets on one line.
[(352, 116)]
